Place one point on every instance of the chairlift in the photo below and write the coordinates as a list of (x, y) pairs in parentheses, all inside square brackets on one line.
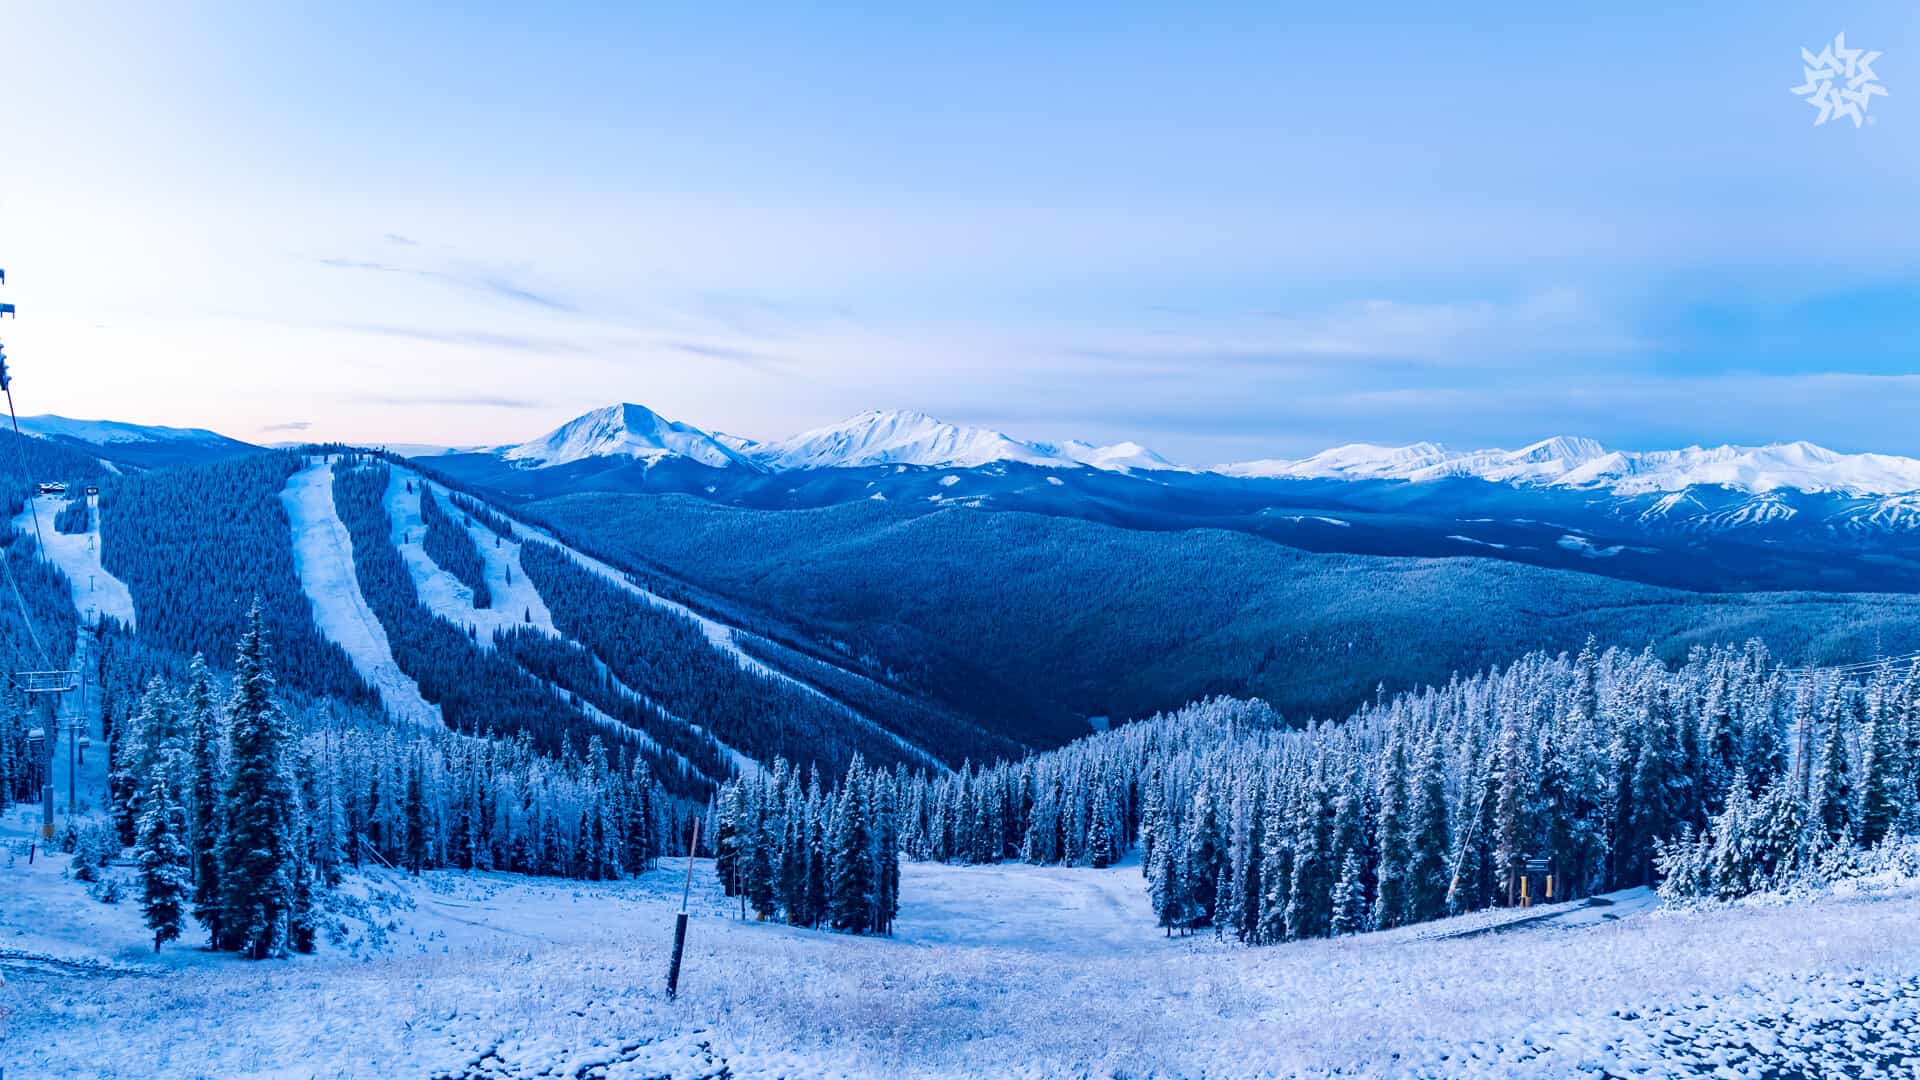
[(46, 682), (53, 487), (7, 309)]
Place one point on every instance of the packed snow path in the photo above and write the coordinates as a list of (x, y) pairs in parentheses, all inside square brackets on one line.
[(1001, 970), (95, 592), (515, 600), (323, 559)]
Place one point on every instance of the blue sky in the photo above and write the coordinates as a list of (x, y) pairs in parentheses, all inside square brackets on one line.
[(1226, 231)]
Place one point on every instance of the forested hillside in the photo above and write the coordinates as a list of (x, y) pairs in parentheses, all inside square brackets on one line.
[(46, 644), (450, 545), (668, 657), (197, 545), (1032, 623), (1605, 767), (479, 690)]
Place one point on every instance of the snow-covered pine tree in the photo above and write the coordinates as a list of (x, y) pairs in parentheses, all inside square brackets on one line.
[(763, 852), (1164, 884), (1203, 858), (726, 838), (257, 840), (1310, 893), (1880, 781), (850, 884), (1390, 896), (1349, 899), (416, 816), (1429, 843), (1834, 784), (166, 884)]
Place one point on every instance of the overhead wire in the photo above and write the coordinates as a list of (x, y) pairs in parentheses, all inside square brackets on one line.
[(6, 559)]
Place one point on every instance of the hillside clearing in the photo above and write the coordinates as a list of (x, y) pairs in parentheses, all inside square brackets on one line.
[(1009, 970)]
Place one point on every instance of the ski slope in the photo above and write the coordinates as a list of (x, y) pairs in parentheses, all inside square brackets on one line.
[(515, 600), (323, 560), (1001, 970), (722, 637), (96, 593)]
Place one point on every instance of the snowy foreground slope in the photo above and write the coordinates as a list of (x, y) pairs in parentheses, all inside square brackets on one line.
[(1009, 970)]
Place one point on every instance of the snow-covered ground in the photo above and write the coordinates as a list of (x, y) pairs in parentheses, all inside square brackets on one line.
[(323, 559), (515, 600), (95, 592), (1003, 971)]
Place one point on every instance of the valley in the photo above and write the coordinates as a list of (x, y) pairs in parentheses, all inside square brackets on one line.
[(979, 788)]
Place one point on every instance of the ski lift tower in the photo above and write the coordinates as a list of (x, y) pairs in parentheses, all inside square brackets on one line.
[(42, 689)]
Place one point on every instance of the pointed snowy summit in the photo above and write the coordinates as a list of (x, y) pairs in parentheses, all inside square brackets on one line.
[(626, 430)]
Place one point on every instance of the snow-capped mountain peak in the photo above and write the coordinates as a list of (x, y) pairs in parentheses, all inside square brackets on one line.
[(1572, 462), (1120, 457), (626, 430), (898, 437), (905, 437)]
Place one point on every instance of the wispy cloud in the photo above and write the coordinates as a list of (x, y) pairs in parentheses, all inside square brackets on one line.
[(290, 425), (449, 401), (404, 241), (746, 357), (481, 339), (489, 282)]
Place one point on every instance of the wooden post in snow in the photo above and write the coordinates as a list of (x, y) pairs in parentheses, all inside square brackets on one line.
[(680, 920)]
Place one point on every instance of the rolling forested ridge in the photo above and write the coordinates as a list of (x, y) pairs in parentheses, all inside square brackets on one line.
[(667, 657), (1030, 624)]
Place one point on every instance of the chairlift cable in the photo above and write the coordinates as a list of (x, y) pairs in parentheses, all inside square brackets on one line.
[(6, 559)]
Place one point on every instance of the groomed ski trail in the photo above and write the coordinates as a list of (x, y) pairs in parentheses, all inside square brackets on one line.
[(323, 559), (95, 592), (721, 636), (516, 602)]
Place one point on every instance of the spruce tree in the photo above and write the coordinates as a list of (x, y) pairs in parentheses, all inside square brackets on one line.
[(206, 778), (1879, 783), (1428, 844), (1164, 884), (1203, 858), (165, 877), (1390, 900), (257, 840), (416, 817), (1835, 783), (1349, 899), (850, 900)]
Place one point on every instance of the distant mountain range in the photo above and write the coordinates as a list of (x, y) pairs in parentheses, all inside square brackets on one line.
[(143, 446), (634, 432), (872, 438), (1584, 463), (1789, 516)]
